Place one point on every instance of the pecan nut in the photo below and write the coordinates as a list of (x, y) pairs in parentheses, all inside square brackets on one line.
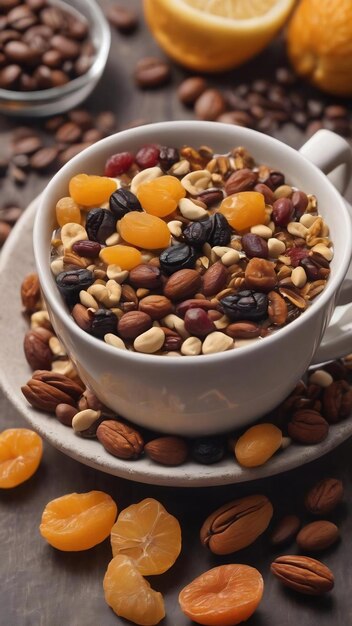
[(337, 401), (214, 279), (45, 390), (37, 350), (170, 450), (120, 439), (241, 180), (30, 293), (324, 496), (303, 574), (182, 284), (237, 524), (308, 427)]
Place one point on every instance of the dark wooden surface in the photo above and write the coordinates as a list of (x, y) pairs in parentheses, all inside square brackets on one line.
[(40, 586)]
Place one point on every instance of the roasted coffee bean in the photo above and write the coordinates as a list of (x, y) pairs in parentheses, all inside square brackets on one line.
[(151, 72), (245, 305), (19, 52), (125, 20), (197, 233), (72, 151), (210, 105), (335, 110), (103, 322), (100, 224), (191, 89), (28, 145), (208, 450), (255, 246), (9, 76), (82, 118), (221, 232), (177, 257), (44, 158), (123, 201), (70, 283), (92, 135), (239, 118), (68, 133), (167, 157), (21, 18), (284, 76), (106, 122)]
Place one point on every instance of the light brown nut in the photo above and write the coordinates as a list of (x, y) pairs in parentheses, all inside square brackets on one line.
[(30, 293), (324, 496), (89, 400), (337, 401), (216, 342), (65, 413), (214, 279), (170, 450), (308, 427), (156, 306), (277, 309), (317, 536), (192, 346), (243, 330), (303, 574), (145, 275), (120, 439), (241, 180), (260, 274), (82, 317), (150, 341), (45, 390), (285, 530), (37, 350), (182, 284), (84, 420), (133, 323), (173, 341), (237, 524)]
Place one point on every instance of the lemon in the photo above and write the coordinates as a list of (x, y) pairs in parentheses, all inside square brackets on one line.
[(215, 35)]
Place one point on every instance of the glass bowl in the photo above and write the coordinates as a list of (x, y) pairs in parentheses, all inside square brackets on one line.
[(59, 99)]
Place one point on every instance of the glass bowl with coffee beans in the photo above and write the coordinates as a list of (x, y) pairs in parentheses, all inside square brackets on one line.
[(52, 54)]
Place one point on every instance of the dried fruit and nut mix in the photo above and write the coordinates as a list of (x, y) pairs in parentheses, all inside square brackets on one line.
[(187, 252)]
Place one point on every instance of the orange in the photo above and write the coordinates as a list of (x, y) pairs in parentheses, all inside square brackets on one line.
[(91, 190), (223, 596), (78, 521), (21, 451), (149, 535), (319, 44), (214, 35), (130, 595)]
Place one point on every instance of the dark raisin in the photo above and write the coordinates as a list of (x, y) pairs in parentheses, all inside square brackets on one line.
[(198, 323), (245, 305), (255, 246), (275, 180), (167, 157), (283, 211), (87, 248), (103, 322), (70, 283), (123, 201), (197, 233), (100, 224), (221, 231), (178, 257), (208, 450), (314, 268)]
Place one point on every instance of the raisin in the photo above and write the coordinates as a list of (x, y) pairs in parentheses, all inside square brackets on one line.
[(100, 224), (245, 305), (123, 201), (177, 257), (70, 283)]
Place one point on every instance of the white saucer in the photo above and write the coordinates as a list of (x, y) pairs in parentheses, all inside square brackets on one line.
[(16, 261)]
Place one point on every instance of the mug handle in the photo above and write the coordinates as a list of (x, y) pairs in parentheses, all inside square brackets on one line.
[(336, 163)]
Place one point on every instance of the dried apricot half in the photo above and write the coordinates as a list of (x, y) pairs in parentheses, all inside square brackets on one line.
[(21, 451), (223, 596), (78, 521), (149, 535), (130, 595)]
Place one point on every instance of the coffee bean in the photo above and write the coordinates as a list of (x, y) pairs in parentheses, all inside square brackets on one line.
[(43, 76), (67, 154), (9, 76), (82, 64), (21, 18), (10, 214), (240, 118), (210, 105), (106, 122), (28, 83), (20, 52), (82, 118), (314, 108), (28, 145), (125, 20), (68, 133), (92, 135), (52, 58), (18, 176), (53, 123), (53, 17), (151, 72), (284, 76), (9, 35), (59, 78), (191, 89), (338, 125), (36, 5), (68, 48), (260, 86), (44, 158), (78, 29), (7, 5), (21, 160), (313, 127)]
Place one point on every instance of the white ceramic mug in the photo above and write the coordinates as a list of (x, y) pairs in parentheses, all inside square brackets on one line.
[(219, 392)]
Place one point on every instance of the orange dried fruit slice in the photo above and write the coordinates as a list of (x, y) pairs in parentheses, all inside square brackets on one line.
[(244, 209), (223, 596), (21, 451), (78, 521), (144, 230), (149, 535), (126, 257), (130, 595), (161, 196), (258, 444), (91, 190)]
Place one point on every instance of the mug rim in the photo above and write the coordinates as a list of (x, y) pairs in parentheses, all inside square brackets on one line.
[(53, 296)]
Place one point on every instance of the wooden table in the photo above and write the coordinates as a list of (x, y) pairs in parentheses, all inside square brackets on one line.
[(44, 587)]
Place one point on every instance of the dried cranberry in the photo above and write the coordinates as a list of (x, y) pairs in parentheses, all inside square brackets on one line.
[(255, 246), (147, 156), (118, 164), (245, 305), (283, 211), (198, 323), (167, 157), (296, 255)]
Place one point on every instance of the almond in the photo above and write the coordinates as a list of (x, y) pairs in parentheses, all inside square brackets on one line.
[(214, 279), (156, 306), (182, 284), (303, 574), (317, 536), (133, 323), (144, 275), (30, 293), (241, 180), (170, 451), (45, 390), (37, 350), (120, 439)]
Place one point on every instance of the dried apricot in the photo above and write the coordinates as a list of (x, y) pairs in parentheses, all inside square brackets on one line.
[(21, 451), (91, 190), (223, 596), (149, 535), (130, 595), (67, 211), (258, 444), (144, 230), (78, 521), (243, 210), (126, 257), (161, 195)]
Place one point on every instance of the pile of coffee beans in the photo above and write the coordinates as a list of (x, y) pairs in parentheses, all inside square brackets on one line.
[(42, 45)]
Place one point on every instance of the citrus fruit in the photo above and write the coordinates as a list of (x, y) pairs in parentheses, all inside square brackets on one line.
[(223, 596), (149, 535), (91, 190), (21, 451), (214, 35), (319, 44), (78, 521), (130, 595)]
